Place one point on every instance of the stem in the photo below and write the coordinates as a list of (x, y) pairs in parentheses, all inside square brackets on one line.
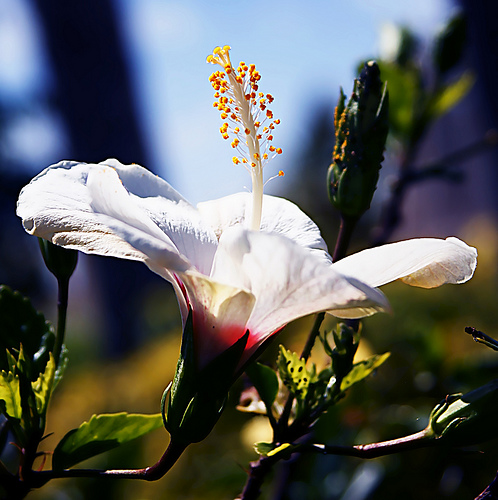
[(420, 439), (152, 473), (345, 231), (256, 477), (62, 301)]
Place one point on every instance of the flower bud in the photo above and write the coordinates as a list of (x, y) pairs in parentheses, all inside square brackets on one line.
[(469, 418), (196, 397), (61, 262), (361, 128)]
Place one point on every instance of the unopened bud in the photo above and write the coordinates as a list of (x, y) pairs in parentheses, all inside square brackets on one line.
[(61, 262), (469, 418), (361, 128)]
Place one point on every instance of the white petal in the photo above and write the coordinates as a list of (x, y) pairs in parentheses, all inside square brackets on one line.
[(172, 213), (425, 262), (147, 220), (279, 216), (288, 281), (220, 314)]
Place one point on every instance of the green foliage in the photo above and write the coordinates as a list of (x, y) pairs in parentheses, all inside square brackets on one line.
[(414, 104), (448, 96), (265, 381), (362, 370), (294, 374), (270, 450), (10, 397), (102, 433), (449, 44), (21, 324)]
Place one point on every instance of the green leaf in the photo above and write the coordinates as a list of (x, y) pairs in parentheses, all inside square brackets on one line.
[(449, 96), (43, 386), (294, 373), (20, 324), (102, 433), (10, 396), (263, 448), (266, 382), (404, 88), (363, 369)]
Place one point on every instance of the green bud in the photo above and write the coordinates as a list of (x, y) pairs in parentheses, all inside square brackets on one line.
[(346, 340), (195, 400), (361, 128), (469, 418), (61, 262)]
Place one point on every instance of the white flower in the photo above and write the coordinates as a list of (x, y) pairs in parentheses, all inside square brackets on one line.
[(234, 279)]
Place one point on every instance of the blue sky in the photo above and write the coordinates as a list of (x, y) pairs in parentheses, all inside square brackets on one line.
[(304, 51)]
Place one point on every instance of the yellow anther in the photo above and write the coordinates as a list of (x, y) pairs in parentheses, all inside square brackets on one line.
[(279, 151), (281, 173), (235, 160), (247, 131)]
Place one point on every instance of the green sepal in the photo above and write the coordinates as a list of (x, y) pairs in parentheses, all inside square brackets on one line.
[(466, 419), (265, 381), (101, 433), (61, 262), (363, 369), (197, 397)]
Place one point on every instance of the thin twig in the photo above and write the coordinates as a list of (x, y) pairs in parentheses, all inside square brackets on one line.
[(152, 473), (482, 338)]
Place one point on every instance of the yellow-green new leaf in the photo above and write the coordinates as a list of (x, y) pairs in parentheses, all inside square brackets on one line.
[(10, 395), (42, 387), (450, 95), (363, 369)]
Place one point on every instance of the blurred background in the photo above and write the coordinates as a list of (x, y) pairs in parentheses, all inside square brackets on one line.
[(128, 79)]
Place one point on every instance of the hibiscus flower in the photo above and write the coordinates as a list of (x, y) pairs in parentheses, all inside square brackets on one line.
[(233, 279)]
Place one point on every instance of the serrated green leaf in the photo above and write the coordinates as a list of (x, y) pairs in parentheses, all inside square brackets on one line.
[(363, 369), (450, 95), (266, 382), (102, 433), (294, 373), (10, 394)]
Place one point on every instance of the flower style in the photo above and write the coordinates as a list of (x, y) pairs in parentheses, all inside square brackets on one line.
[(233, 279)]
